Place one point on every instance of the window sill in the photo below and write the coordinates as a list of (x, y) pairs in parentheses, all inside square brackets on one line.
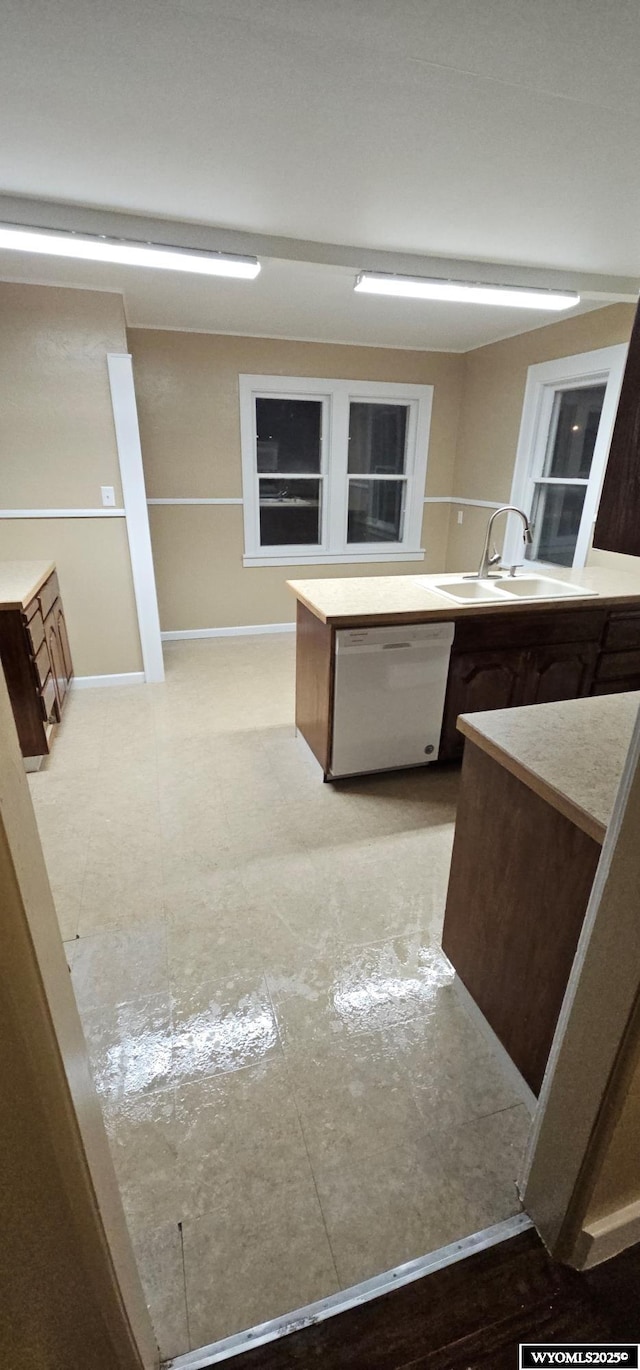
[(331, 558)]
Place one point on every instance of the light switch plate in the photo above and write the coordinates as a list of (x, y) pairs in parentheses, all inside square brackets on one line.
[(108, 496), (460, 515)]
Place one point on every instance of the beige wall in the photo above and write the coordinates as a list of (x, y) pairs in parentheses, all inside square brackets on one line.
[(197, 551), (187, 392), (465, 540), (57, 447), (94, 570), (493, 396)]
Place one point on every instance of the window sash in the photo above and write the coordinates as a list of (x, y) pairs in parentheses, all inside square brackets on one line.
[(540, 513), (410, 538), (380, 481), (291, 548), (318, 480), (543, 448)]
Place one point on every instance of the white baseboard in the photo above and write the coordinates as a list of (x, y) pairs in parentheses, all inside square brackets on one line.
[(91, 682), (607, 1237), (243, 630)]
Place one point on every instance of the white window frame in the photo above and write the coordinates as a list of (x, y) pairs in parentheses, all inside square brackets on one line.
[(336, 395), (603, 366)]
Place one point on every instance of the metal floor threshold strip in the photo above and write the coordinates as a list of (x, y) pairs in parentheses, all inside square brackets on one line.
[(219, 1351)]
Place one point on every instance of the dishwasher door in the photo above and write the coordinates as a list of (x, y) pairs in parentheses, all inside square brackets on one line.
[(390, 685)]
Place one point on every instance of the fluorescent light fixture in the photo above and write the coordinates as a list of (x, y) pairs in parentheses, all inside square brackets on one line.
[(464, 292), (96, 248)]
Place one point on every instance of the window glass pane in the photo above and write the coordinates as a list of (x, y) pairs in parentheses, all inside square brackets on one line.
[(557, 511), (377, 438), (376, 510), (290, 512), (573, 431), (289, 435)]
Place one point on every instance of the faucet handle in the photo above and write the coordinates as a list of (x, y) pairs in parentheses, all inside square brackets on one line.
[(495, 556)]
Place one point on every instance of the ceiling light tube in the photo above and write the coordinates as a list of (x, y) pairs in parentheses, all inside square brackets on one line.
[(465, 292), (96, 248)]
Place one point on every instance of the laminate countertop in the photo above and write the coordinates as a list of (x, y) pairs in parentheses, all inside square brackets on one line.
[(21, 580), (571, 754), (350, 600)]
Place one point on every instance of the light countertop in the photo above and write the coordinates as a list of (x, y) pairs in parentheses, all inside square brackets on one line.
[(21, 580), (411, 599), (571, 754)]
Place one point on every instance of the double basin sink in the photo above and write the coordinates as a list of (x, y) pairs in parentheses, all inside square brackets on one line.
[(499, 590)]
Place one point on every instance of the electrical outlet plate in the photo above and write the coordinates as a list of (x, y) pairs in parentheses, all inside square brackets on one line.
[(108, 496)]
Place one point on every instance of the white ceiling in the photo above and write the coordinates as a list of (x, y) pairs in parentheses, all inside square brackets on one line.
[(288, 300), (498, 130)]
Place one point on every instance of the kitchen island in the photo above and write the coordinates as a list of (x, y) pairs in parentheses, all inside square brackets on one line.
[(504, 654), (536, 797)]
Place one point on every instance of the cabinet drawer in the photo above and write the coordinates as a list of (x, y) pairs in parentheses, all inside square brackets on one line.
[(618, 665), (33, 607), (529, 629), (35, 631), (48, 594), (42, 663), (623, 631), (48, 698), (617, 687)]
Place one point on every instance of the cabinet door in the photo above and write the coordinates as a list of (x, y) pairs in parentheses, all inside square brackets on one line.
[(58, 668), (63, 639), (559, 672), (479, 681)]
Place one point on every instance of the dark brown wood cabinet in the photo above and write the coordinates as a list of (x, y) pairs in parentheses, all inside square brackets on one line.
[(618, 522), (36, 658), (563, 671), (54, 628), (618, 665), (477, 681), (498, 663), (498, 660), (521, 876)]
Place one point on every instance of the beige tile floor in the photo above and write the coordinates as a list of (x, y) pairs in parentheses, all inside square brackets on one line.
[(294, 1097)]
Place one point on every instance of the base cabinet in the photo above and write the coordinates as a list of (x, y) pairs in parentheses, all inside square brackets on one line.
[(516, 863), (55, 638), (499, 663), (478, 681), (564, 671), (36, 658), (618, 665)]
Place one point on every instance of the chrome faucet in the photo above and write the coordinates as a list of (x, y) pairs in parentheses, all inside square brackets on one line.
[(487, 559)]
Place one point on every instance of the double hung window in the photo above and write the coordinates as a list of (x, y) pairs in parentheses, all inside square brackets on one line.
[(567, 422), (333, 470)]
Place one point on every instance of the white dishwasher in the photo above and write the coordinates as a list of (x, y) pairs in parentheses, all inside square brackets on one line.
[(390, 686)]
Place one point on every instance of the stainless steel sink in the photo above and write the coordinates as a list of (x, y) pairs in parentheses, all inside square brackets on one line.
[(500, 589)]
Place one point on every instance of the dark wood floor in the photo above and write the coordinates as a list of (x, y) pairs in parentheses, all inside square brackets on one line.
[(471, 1316)]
